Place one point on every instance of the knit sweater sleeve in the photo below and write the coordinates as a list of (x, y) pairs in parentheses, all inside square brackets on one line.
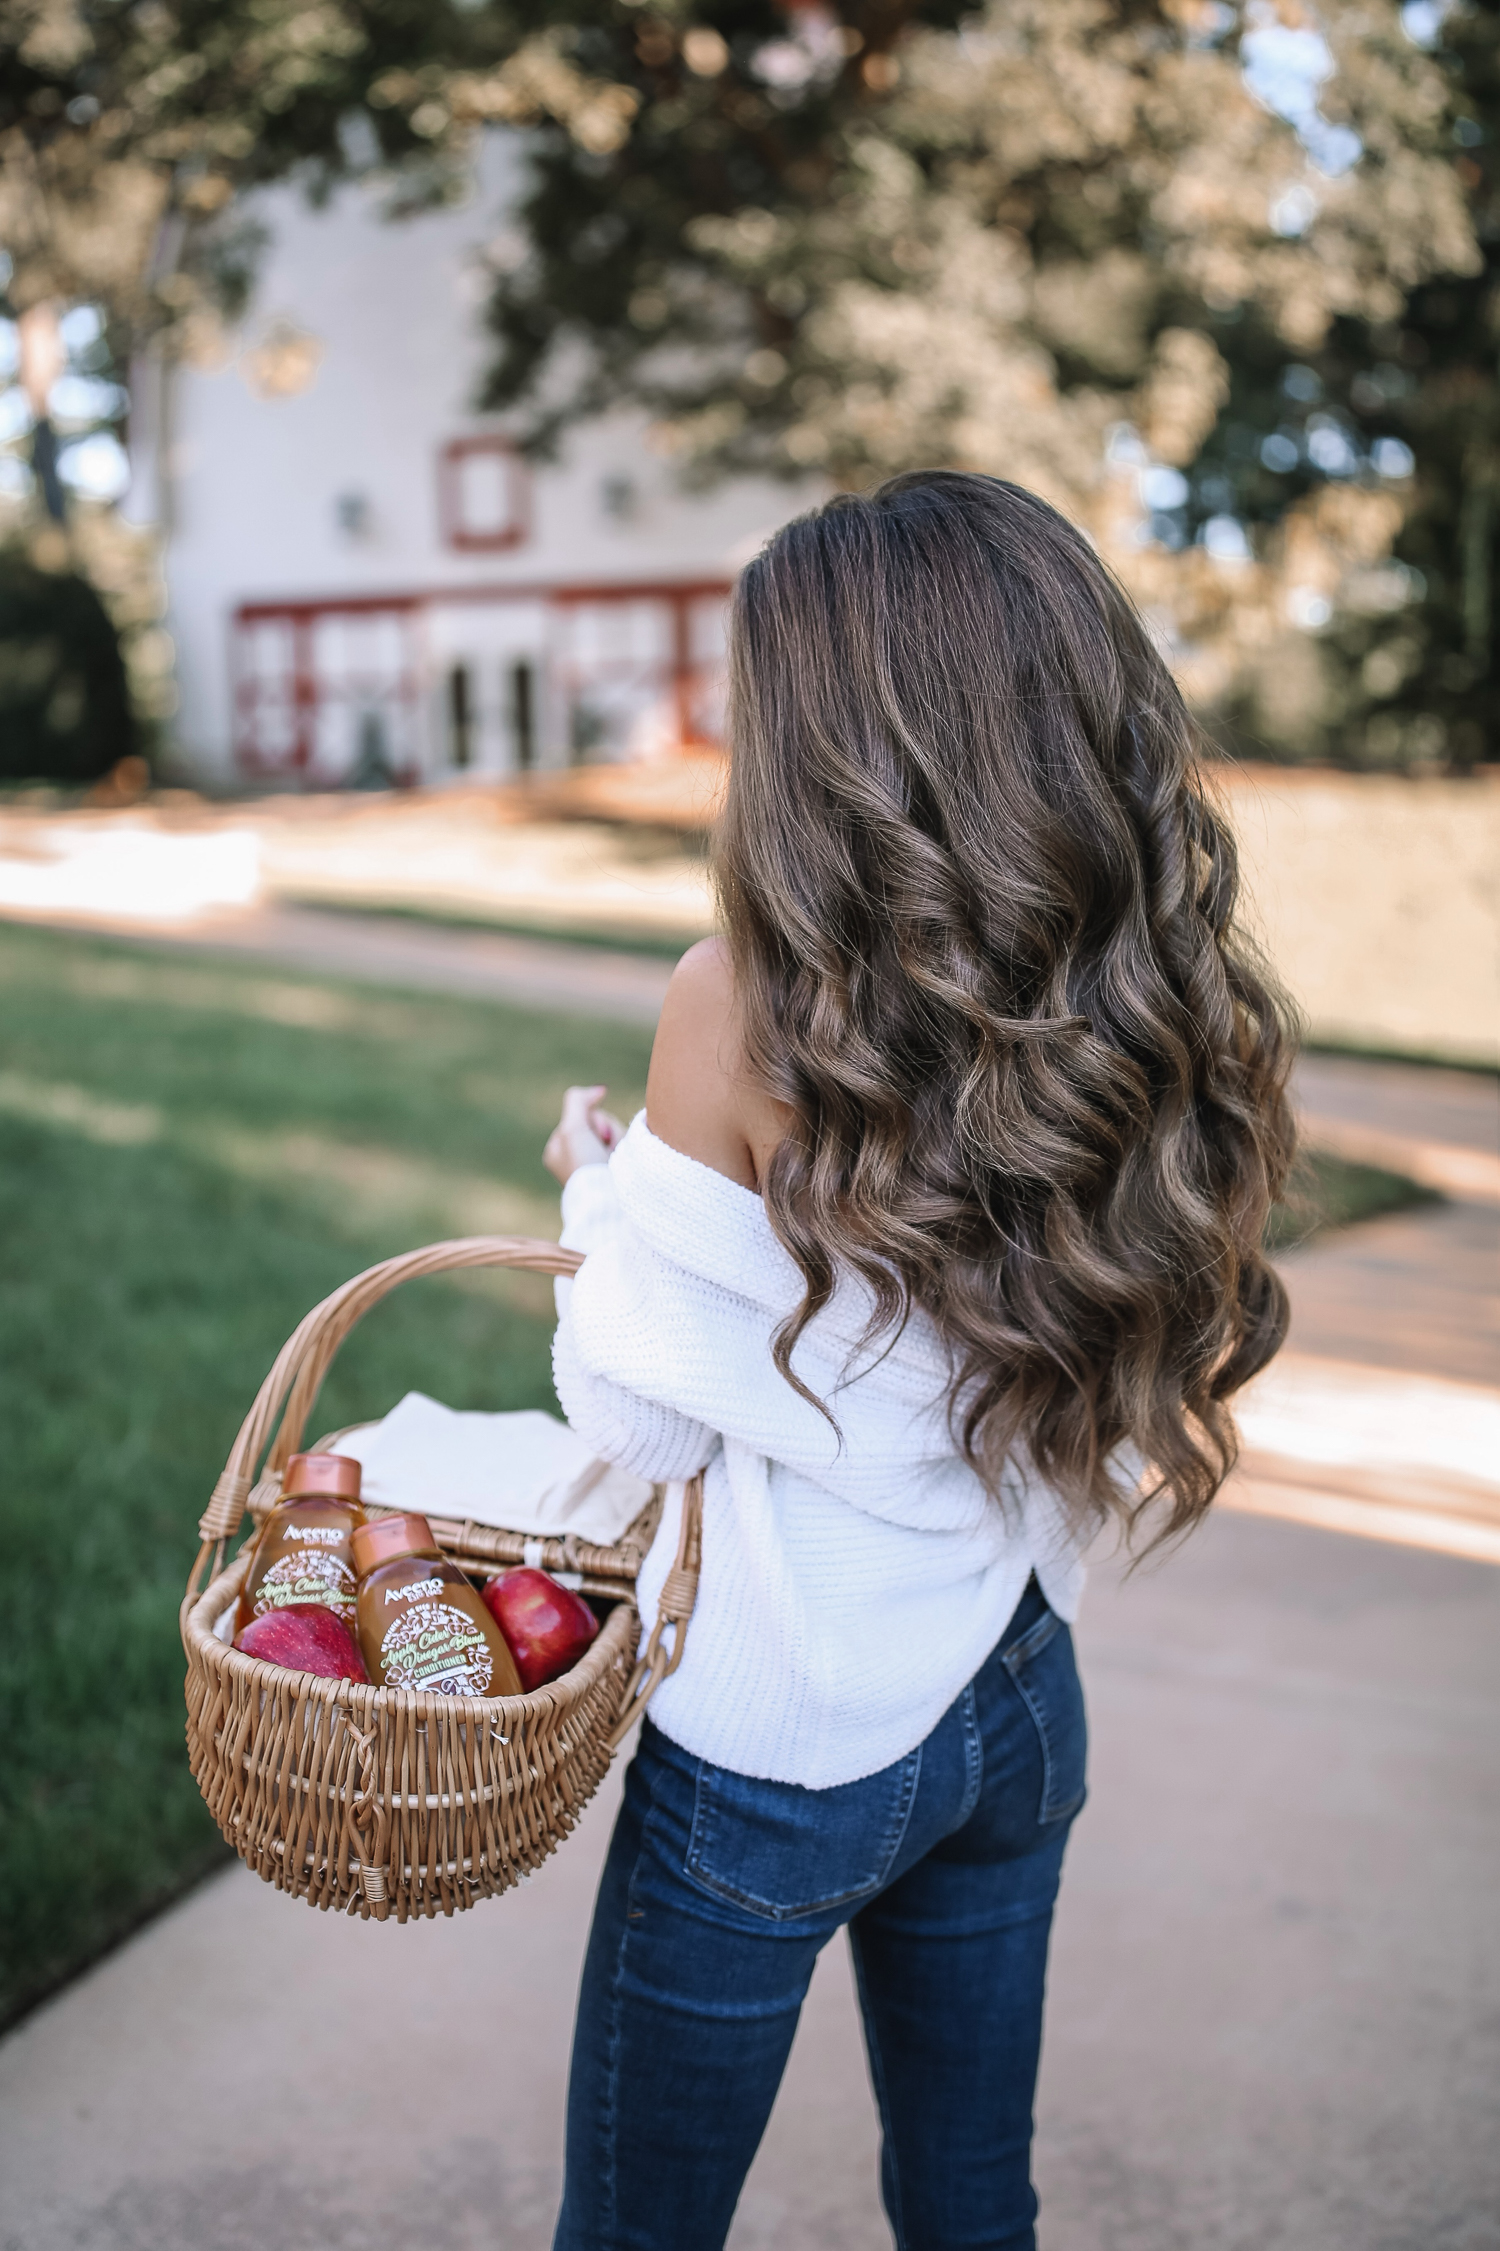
[(643, 1435)]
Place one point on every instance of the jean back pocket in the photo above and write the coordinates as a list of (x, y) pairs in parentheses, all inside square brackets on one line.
[(778, 1850)]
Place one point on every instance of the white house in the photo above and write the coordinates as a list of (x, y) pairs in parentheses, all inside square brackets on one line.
[(367, 583)]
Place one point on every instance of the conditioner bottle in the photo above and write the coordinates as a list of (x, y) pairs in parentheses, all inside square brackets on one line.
[(420, 1623)]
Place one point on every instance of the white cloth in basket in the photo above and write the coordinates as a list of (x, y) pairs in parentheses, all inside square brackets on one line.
[(525, 1471)]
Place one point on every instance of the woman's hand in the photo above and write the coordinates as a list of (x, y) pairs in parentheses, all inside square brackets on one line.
[(584, 1135)]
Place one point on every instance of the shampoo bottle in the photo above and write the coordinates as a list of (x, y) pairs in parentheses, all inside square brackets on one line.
[(303, 1552)]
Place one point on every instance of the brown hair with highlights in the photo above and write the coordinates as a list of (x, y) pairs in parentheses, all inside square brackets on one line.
[(981, 916)]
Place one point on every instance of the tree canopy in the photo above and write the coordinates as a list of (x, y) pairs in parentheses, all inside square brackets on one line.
[(1174, 265), (1218, 278)]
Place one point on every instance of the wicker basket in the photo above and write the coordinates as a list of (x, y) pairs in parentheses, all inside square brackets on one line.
[(388, 1802)]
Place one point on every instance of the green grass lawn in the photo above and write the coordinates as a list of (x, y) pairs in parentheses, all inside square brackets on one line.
[(191, 1155)]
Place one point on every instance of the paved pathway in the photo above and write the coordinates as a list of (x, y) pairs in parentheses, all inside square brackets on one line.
[(1407, 1101), (1276, 1994), (1418, 1291), (1439, 1127)]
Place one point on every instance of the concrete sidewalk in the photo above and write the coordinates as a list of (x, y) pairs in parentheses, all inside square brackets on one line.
[(1439, 1127)]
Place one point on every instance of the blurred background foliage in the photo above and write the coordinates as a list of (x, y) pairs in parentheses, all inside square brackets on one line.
[(1219, 279), (85, 663), (64, 701)]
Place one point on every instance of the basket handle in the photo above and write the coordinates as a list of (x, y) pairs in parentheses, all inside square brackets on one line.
[(304, 1360)]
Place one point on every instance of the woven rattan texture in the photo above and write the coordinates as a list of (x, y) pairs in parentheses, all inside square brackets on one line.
[(382, 1802), (388, 1803)]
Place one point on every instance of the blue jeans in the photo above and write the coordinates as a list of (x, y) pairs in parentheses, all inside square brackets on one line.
[(719, 1893)]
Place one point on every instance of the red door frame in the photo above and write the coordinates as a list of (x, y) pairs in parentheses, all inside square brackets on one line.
[(302, 613)]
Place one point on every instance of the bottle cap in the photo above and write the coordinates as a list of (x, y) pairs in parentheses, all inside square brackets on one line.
[(386, 1537), (333, 1477)]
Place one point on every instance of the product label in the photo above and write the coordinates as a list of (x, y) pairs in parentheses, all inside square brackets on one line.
[(416, 1592), (315, 1576), (435, 1646), (321, 1535)]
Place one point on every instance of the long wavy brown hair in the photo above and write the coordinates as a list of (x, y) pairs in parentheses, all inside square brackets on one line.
[(981, 917)]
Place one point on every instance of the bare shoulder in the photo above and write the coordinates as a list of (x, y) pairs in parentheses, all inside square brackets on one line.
[(695, 1089), (699, 1022), (702, 985)]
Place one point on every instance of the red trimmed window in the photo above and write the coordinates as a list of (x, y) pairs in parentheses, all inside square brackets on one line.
[(484, 496)]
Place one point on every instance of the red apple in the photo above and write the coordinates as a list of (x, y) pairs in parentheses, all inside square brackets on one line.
[(547, 1626), (304, 1638)]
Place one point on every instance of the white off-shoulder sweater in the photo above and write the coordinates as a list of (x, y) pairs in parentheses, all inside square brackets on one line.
[(853, 1581)]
